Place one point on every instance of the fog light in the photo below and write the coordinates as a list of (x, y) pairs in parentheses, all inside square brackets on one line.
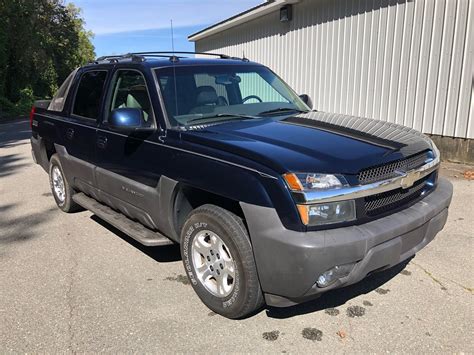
[(332, 275)]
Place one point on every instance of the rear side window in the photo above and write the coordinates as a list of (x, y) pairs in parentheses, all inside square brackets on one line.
[(89, 94), (57, 103)]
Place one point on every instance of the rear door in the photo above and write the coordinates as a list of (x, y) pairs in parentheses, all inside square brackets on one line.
[(79, 132)]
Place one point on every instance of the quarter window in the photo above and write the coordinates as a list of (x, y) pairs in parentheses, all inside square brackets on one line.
[(58, 101), (89, 94)]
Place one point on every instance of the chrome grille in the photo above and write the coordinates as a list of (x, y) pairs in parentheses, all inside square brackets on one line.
[(389, 200), (388, 171)]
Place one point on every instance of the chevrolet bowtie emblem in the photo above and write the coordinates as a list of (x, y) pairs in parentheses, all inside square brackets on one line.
[(408, 178)]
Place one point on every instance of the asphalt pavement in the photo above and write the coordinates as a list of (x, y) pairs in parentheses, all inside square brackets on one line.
[(72, 283)]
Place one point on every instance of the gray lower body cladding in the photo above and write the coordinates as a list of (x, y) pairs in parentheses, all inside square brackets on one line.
[(290, 262), (38, 152), (149, 206)]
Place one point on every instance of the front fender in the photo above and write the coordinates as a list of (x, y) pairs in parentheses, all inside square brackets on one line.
[(244, 188), (233, 182)]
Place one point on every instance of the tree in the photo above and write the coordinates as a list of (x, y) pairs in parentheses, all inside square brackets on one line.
[(41, 42)]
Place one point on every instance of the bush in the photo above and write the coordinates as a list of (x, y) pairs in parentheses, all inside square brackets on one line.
[(27, 100), (20, 108), (7, 108)]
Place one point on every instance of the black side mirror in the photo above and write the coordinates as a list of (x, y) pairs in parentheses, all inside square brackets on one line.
[(126, 119), (307, 100)]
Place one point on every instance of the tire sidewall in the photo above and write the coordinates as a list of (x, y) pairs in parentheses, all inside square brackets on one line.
[(233, 303), (63, 205)]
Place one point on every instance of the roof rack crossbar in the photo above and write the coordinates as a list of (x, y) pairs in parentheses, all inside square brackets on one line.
[(222, 56), (140, 56)]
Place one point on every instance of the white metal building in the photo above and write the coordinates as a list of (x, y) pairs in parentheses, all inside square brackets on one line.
[(404, 61)]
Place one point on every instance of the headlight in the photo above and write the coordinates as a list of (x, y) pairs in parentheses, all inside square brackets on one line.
[(327, 213), (321, 213), (308, 182), (436, 152)]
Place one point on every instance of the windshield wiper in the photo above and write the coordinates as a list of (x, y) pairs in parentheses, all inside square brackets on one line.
[(225, 115), (281, 109)]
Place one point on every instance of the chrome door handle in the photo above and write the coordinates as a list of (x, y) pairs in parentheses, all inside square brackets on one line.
[(70, 133), (102, 142)]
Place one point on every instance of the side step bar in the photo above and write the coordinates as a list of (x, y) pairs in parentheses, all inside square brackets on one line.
[(134, 229)]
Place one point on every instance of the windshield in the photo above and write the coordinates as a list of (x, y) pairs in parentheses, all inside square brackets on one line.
[(205, 94)]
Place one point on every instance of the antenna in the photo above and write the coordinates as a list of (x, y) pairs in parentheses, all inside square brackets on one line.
[(172, 39), (173, 60), (243, 56)]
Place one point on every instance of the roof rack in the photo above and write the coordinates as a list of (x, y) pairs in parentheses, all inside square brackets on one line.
[(222, 56), (116, 58), (141, 56)]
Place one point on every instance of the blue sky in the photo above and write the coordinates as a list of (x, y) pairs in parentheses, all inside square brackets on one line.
[(122, 26)]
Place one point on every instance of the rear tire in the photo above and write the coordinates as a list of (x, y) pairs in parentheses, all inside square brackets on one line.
[(218, 259), (62, 191)]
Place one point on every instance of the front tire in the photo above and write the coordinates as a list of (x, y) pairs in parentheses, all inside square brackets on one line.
[(62, 191), (218, 259)]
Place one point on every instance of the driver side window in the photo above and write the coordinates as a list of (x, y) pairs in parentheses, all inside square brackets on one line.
[(129, 90)]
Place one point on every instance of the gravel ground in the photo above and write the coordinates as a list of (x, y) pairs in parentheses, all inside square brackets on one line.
[(72, 283)]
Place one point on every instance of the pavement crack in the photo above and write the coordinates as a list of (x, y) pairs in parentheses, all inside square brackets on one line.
[(70, 301), (428, 273), (468, 289)]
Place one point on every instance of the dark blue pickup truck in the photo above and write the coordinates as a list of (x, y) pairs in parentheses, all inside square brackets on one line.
[(272, 202)]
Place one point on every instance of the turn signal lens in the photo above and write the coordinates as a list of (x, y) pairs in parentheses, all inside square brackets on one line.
[(303, 210), (293, 182), (313, 182)]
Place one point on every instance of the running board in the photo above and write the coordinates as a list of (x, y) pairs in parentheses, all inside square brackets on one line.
[(134, 229)]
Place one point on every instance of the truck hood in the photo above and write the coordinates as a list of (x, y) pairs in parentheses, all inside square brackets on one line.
[(312, 142)]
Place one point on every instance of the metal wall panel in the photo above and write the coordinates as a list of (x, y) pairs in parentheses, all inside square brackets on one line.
[(404, 61)]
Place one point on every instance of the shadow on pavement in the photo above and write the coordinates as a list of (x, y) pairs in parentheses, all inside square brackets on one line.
[(12, 132), (10, 163), (11, 144), (13, 228), (163, 254), (339, 297)]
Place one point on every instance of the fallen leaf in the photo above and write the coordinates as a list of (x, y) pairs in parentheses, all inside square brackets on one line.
[(341, 334), (469, 174)]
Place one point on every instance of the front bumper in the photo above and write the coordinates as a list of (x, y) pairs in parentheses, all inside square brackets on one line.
[(289, 262)]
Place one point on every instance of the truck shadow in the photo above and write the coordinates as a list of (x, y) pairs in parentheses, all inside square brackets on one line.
[(339, 297), (163, 254), (331, 299)]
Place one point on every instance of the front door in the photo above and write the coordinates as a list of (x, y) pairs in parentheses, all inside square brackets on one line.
[(126, 175)]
